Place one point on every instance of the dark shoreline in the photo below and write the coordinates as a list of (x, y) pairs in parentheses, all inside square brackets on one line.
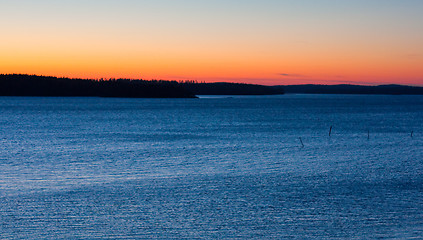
[(45, 86), (352, 89), (42, 86)]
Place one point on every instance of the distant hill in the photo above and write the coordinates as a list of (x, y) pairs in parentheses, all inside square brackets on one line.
[(32, 85), (352, 89), (223, 88)]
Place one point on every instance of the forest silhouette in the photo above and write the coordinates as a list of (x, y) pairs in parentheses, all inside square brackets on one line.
[(32, 85), (224, 88)]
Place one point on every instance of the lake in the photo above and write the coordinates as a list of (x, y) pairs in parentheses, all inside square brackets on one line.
[(258, 167)]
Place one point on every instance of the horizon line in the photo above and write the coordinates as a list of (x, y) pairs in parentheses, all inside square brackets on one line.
[(217, 81)]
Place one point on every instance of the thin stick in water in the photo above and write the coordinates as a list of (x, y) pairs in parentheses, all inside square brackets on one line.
[(301, 141), (330, 130)]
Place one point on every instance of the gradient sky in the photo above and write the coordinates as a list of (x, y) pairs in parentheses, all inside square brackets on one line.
[(265, 42)]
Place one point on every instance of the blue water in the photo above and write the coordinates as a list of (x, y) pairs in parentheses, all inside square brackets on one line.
[(219, 168)]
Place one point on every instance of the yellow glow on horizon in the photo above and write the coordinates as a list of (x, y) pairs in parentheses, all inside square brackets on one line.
[(268, 48)]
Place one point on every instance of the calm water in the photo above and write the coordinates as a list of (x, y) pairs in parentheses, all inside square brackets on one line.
[(93, 168)]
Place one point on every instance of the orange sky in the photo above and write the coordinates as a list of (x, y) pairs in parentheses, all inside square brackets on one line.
[(267, 42)]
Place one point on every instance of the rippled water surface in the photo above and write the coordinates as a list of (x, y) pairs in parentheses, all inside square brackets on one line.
[(228, 167)]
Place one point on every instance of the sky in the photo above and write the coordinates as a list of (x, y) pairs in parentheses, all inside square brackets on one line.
[(270, 42)]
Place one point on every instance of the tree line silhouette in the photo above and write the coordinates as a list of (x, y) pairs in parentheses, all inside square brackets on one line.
[(224, 88), (33, 85)]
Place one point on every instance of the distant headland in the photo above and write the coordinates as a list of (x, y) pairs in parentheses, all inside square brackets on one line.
[(352, 89)]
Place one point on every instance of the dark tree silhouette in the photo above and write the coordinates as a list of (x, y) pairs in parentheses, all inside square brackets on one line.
[(32, 85), (223, 88)]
